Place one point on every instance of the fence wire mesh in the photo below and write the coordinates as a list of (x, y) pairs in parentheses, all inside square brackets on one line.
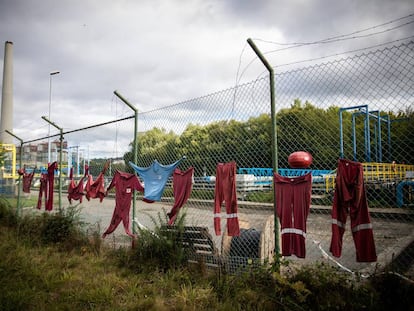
[(359, 108)]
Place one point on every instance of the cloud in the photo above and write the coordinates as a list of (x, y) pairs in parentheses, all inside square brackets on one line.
[(158, 53)]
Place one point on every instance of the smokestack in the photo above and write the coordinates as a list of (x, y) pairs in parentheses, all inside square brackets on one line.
[(6, 122)]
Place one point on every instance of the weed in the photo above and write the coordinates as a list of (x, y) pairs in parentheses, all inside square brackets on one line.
[(331, 289), (194, 297), (95, 240), (159, 249), (7, 213), (260, 289), (63, 227), (56, 228)]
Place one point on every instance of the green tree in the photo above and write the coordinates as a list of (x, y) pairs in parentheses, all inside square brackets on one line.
[(191, 143), (96, 166), (249, 143), (155, 144), (255, 142), (402, 136), (307, 128)]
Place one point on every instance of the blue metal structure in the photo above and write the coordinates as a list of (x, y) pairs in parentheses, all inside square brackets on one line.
[(377, 132), (400, 194), (376, 114), (317, 175), (366, 127)]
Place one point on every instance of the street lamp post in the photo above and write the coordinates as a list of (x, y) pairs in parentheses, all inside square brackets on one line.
[(52, 73)]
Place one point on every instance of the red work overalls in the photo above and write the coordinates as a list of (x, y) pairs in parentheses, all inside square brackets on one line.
[(293, 198), (226, 190), (350, 199)]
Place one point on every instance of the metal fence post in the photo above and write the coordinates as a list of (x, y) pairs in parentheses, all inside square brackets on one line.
[(134, 195), (274, 135), (60, 159)]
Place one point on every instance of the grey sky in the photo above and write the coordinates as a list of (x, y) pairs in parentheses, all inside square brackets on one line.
[(158, 53)]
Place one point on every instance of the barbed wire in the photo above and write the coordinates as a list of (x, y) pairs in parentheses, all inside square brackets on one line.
[(345, 35), (333, 39)]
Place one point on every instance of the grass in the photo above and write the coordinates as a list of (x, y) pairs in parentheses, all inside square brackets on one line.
[(43, 270)]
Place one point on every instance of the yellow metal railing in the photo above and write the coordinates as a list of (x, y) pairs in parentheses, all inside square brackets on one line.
[(9, 171), (383, 172), (329, 182), (376, 172)]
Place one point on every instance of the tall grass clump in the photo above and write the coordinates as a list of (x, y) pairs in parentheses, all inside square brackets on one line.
[(8, 215), (156, 250), (258, 288), (331, 288), (63, 227)]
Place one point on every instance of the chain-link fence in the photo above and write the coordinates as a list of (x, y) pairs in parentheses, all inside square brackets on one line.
[(359, 108)]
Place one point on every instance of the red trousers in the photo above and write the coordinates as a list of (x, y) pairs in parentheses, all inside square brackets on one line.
[(293, 198), (225, 190), (47, 186), (50, 184), (42, 190), (350, 199), (182, 186)]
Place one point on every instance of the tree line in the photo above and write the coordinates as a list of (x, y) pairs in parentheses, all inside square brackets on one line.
[(303, 126)]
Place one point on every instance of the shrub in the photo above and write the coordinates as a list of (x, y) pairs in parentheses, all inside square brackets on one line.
[(7, 213), (63, 227), (259, 289), (156, 250), (331, 288)]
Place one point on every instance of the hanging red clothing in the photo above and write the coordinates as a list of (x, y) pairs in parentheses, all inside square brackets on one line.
[(50, 185), (27, 180), (293, 198), (182, 186), (125, 184), (350, 198), (96, 189), (225, 190), (75, 192), (42, 190)]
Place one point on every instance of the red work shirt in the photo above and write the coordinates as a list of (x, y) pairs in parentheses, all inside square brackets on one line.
[(125, 184)]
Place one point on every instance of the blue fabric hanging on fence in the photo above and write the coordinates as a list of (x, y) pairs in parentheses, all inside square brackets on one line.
[(155, 178)]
